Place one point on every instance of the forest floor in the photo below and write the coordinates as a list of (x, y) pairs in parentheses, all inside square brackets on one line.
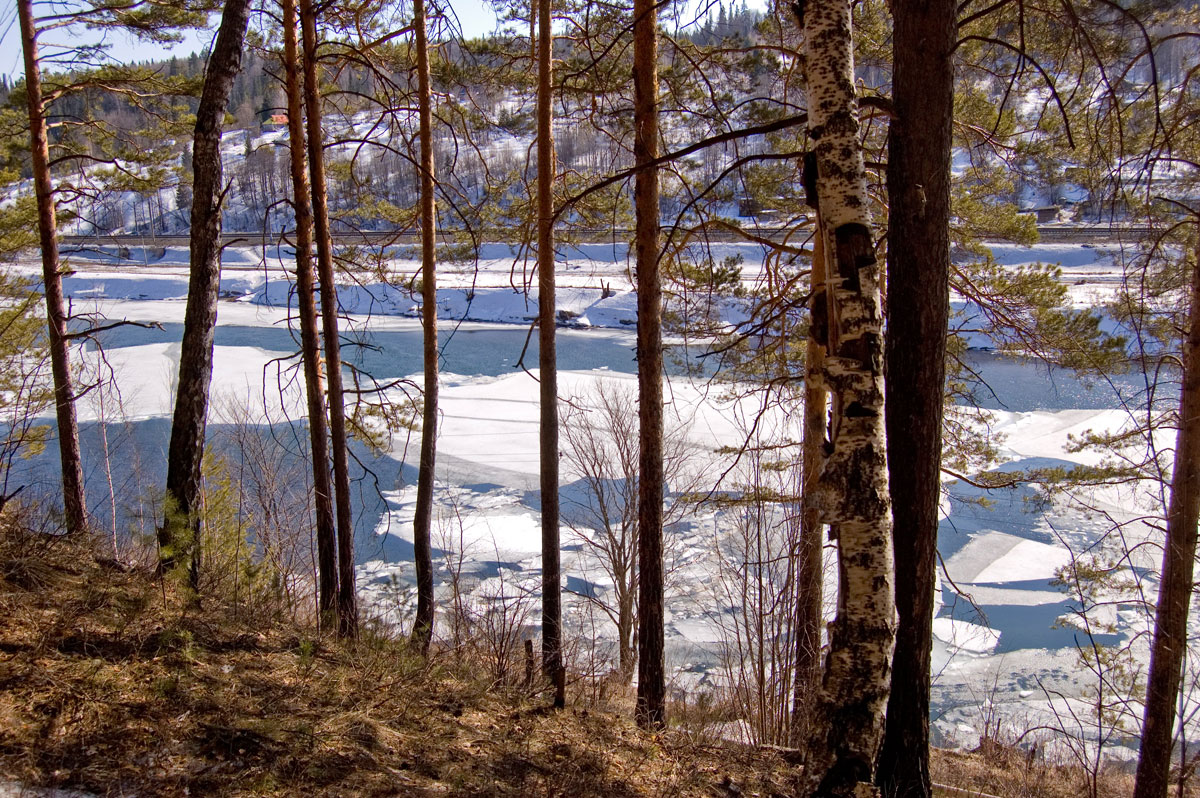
[(112, 684)]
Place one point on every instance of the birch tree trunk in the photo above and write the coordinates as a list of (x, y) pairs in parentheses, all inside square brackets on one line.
[(918, 179), (1175, 586), (423, 626), (347, 604), (852, 493), (310, 341), (74, 501), (552, 662), (179, 536), (651, 694)]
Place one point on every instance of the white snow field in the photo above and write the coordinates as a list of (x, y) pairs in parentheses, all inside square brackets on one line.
[(1008, 636)]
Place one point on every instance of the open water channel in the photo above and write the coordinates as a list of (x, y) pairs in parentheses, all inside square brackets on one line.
[(492, 351)]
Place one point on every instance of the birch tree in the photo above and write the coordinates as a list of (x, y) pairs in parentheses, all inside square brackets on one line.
[(852, 490)]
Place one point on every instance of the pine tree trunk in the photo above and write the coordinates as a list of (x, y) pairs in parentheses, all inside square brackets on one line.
[(74, 502), (1175, 587), (347, 604), (810, 566), (422, 521), (918, 180), (179, 535), (651, 694), (852, 493), (552, 662), (625, 643), (310, 342)]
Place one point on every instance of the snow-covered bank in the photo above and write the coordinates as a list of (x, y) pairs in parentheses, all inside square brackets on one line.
[(595, 280)]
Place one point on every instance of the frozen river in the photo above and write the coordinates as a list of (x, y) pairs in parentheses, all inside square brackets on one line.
[(1005, 644)]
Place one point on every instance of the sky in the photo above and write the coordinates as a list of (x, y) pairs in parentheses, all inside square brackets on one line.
[(475, 17)]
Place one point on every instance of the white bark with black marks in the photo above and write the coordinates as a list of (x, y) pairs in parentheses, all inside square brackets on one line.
[(852, 494)]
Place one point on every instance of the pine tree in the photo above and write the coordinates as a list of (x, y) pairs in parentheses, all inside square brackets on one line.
[(422, 520), (810, 571), (651, 693), (318, 425), (74, 501), (347, 603), (918, 180), (552, 660), (179, 534), (1176, 583)]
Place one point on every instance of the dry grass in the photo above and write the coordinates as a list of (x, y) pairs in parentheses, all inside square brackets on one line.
[(1008, 773), (1005, 771), (111, 684)]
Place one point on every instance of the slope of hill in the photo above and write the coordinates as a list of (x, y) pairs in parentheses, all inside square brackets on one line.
[(114, 685)]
